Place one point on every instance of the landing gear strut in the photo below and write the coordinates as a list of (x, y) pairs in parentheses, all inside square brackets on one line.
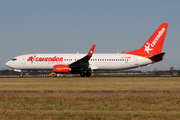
[(21, 74)]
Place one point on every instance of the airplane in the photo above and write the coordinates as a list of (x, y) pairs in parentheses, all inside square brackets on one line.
[(85, 64)]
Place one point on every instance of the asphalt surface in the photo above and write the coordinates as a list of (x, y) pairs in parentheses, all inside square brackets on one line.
[(88, 93)]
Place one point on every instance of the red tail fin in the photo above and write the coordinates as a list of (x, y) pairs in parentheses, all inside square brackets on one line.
[(155, 43)]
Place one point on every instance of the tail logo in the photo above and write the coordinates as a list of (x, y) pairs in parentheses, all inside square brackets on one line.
[(147, 48), (157, 37)]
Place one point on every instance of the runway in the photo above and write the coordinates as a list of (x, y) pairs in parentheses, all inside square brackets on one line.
[(89, 93)]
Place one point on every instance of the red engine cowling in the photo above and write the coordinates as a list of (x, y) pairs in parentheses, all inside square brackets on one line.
[(61, 69)]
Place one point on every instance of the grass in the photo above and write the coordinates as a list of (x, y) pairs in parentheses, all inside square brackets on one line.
[(112, 84), (89, 106)]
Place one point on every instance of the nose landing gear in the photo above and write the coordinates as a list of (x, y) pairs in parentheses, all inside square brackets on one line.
[(21, 74)]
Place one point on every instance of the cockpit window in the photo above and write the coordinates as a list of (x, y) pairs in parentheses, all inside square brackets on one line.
[(14, 59)]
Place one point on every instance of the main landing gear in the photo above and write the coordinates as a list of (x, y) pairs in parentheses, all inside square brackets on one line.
[(85, 74)]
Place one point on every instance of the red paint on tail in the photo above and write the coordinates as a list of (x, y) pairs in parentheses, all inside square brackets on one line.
[(155, 43)]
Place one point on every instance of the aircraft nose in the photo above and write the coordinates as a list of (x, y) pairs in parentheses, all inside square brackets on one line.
[(8, 64)]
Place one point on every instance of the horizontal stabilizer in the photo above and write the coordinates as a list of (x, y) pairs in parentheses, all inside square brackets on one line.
[(157, 57)]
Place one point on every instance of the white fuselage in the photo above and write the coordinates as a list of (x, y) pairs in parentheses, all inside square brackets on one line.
[(96, 62)]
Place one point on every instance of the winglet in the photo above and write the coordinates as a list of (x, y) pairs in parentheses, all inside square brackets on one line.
[(83, 62), (91, 51)]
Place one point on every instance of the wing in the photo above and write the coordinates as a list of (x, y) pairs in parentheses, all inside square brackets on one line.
[(83, 63)]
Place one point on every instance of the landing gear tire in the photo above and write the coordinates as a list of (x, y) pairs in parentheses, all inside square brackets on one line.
[(88, 74), (82, 74)]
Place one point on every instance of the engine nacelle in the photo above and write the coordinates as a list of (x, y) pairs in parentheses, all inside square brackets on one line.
[(16, 70), (61, 69)]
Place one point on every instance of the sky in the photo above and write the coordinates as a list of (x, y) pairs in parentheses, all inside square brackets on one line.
[(71, 26)]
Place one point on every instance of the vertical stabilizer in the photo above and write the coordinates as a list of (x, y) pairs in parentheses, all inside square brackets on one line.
[(154, 44)]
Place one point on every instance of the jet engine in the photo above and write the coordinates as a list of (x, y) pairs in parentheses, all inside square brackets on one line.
[(61, 69)]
